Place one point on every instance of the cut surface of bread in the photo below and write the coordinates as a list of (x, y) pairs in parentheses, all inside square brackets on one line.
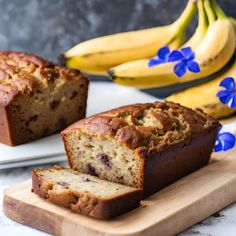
[(83, 193), (146, 146), (37, 97)]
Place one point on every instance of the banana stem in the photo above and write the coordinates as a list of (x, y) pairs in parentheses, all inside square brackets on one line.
[(219, 12), (201, 29), (186, 16), (202, 19), (209, 11), (177, 41)]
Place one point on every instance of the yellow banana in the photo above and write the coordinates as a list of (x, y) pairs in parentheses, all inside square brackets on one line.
[(204, 96), (97, 55), (212, 54), (202, 27), (177, 41)]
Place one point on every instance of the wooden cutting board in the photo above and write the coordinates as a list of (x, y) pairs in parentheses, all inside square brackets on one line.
[(168, 212)]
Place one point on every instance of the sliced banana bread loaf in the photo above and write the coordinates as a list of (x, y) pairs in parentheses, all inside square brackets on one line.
[(83, 193), (146, 146), (37, 97)]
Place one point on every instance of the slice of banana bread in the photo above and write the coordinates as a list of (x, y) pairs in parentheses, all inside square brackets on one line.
[(37, 97), (83, 193), (146, 146)]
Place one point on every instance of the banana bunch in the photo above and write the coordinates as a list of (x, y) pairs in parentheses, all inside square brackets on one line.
[(125, 56), (204, 96), (214, 46), (97, 55)]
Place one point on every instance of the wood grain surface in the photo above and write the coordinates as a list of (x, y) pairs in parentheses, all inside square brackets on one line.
[(167, 212)]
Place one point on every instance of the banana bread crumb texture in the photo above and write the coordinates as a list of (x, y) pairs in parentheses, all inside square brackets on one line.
[(83, 193), (37, 97), (143, 145)]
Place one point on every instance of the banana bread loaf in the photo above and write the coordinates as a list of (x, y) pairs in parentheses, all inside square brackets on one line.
[(37, 97), (146, 146), (83, 193)]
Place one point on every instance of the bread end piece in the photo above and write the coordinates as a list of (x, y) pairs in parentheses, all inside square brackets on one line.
[(84, 202)]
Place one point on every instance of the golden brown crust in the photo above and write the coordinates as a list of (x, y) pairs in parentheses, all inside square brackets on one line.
[(26, 97), (83, 202), (151, 125), (21, 72), (176, 161), (7, 93)]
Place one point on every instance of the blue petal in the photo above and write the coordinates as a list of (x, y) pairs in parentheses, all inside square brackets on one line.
[(223, 93), (225, 99), (227, 140), (175, 55), (193, 66), (180, 69), (188, 53), (228, 83), (154, 62), (218, 146), (232, 103), (163, 53), (228, 145)]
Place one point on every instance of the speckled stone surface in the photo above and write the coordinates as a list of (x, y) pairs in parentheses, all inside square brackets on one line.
[(49, 27)]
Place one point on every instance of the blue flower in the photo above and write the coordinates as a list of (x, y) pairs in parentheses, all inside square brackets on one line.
[(185, 56), (224, 142), (228, 96), (161, 57)]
